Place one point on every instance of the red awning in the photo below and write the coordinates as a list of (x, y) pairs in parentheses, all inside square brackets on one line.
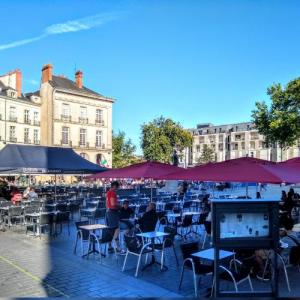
[(141, 170), (244, 169)]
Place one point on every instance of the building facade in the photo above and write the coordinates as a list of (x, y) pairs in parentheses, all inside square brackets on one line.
[(19, 113), (61, 113), (233, 141)]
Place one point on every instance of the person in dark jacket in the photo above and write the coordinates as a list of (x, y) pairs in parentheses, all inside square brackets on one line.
[(126, 213), (149, 219)]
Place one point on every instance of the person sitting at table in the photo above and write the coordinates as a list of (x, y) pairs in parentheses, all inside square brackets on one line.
[(125, 214), (30, 194), (112, 214), (149, 219), (288, 238), (16, 196)]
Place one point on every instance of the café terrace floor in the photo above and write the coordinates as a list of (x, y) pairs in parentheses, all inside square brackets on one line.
[(33, 267)]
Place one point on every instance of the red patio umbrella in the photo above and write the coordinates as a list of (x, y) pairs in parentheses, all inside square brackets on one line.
[(292, 163), (146, 170), (245, 169)]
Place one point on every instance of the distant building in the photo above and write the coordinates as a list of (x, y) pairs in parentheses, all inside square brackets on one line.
[(233, 141), (61, 113)]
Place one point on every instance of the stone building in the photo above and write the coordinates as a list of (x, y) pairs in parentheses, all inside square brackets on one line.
[(19, 113), (233, 141), (61, 113)]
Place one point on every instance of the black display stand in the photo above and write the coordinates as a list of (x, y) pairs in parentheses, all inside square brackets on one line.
[(245, 224)]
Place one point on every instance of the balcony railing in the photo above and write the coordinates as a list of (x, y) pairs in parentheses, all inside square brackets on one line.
[(27, 141), (83, 120), (65, 118), (66, 143), (27, 121), (36, 142), (81, 144), (99, 122), (100, 146), (12, 139), (36, 123), (13, 119)]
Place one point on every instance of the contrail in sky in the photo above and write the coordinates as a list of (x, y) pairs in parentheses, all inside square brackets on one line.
[(69, 26)]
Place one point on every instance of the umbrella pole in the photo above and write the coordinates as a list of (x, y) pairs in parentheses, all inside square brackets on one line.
[(151, 183), (55, 187)]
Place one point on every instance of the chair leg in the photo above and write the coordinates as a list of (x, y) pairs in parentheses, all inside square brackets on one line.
[(175, 255), (125, 260), (287, 279), (138, 265), (195, 285), (75, 247), (250, 283), (204, 240), (162, 260), (181, 277)]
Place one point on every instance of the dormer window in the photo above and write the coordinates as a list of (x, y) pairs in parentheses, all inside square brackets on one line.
[(12, 93)]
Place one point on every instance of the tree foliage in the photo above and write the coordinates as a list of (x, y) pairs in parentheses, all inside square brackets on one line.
[(280, 122), (207, 155), (123, 151), (161, 136)]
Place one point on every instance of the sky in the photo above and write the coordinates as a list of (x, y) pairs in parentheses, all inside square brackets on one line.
[(194, 61)]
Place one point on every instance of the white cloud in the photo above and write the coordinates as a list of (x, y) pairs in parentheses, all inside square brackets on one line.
[(69, 26)]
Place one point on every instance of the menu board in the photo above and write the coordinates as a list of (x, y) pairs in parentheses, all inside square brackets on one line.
[(237, 225)]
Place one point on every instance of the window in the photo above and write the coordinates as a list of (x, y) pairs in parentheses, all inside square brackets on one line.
[(99, 116), (82, 137), (12, 134), (65, 111), (84, 155), (12, 114), (83, 112), (26, 116), (36, 118), (36, 136), (65, 135), (98, 138), (26, 136)]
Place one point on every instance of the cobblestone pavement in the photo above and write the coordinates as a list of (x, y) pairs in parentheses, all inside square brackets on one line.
[(33, 267)]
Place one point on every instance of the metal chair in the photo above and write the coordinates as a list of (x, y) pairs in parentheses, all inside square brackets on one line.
[(193, 263), (82, 235), (137, 248)]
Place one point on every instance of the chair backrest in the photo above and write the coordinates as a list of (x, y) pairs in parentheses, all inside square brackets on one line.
[(48, 208), (31, 209), (187, 220), (187, 249), (6, 204), (62, 207), (15, 211), (46, 219), (187, 204), (107, 235), (133, 244), (170, 238), (169, 206), (85, 233)]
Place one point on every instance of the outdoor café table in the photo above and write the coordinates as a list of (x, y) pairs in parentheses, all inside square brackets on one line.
[(209, 254), (93, 228), (152, 235)]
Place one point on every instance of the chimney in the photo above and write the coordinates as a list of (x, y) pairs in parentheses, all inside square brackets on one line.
[(19, 82), (46, 73), (78, 79)]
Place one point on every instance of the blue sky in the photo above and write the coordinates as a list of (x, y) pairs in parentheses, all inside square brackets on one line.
[(194, 61)]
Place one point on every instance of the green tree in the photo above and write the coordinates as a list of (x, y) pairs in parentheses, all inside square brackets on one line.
[(123, 151), (207, 155), (280, 122), (161, 136)]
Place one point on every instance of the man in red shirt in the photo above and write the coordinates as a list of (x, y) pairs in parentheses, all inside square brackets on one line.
[(112, 213)]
